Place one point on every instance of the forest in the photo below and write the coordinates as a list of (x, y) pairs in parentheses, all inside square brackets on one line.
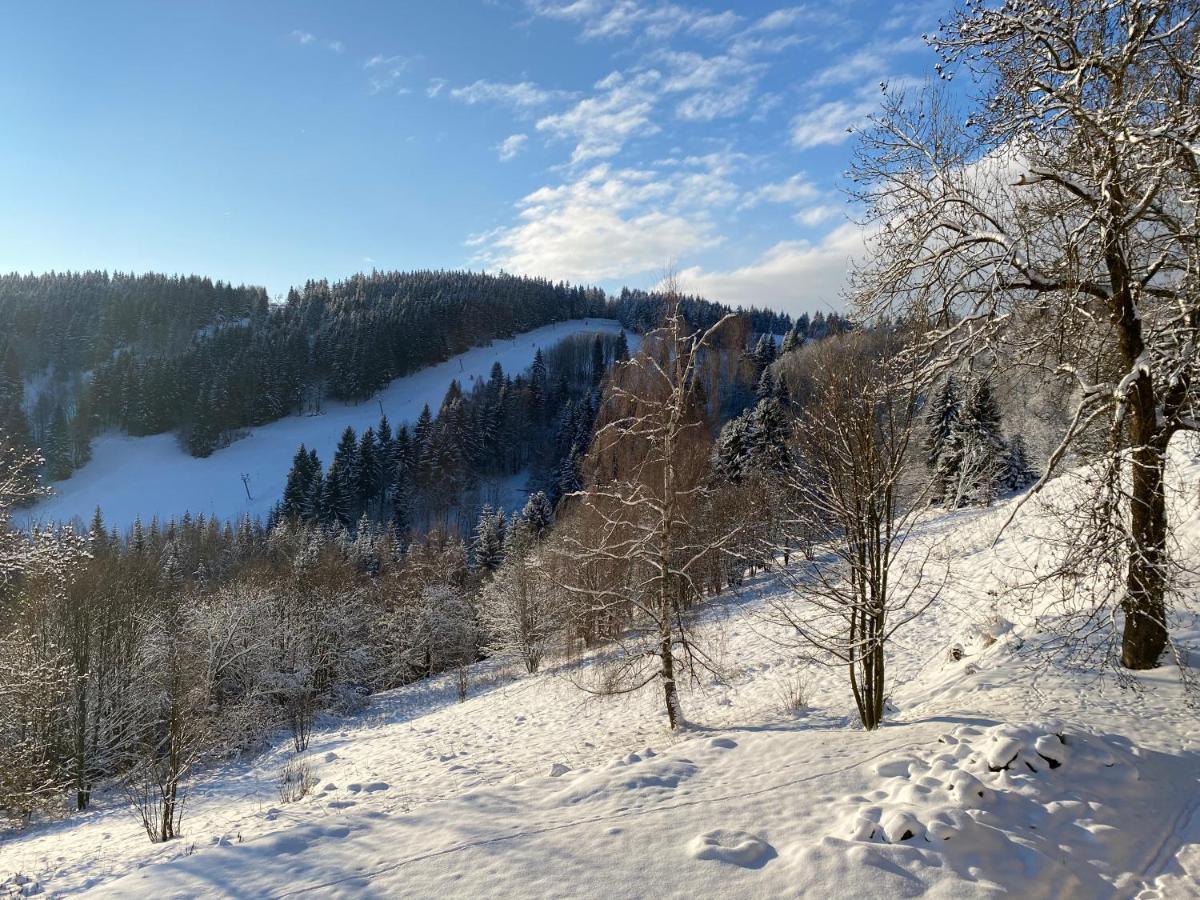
[(84, 352)]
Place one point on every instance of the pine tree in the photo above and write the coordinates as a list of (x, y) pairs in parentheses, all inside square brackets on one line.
[(299, 478), (537, 515), (732, 449), (368, 470), (1018, 472), (767, 438), (765, 389), (335, 496), (538, 388), (790, 342), (621, 353), (976, 437), (383, 434), (488, 547), (764, 351), (56, 449)]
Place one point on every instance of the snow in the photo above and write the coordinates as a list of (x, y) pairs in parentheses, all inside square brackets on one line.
[(992, 775), (152, 476)]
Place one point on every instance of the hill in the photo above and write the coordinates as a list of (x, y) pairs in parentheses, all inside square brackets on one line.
[(147, 476), (1003, 768)]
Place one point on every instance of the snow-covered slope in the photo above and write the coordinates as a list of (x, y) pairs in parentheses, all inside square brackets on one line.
[(992, 775), (147, 476)]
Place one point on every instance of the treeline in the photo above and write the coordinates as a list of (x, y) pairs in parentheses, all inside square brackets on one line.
[(149, 354), (342, 341)]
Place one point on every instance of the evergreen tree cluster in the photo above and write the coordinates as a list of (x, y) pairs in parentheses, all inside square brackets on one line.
[(642, 311), (150, 354), (971, 459), (413, 478), (343, 341), (59, 329)]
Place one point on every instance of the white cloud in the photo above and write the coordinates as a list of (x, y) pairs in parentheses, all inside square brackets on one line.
[(796, 189), (385, 72), (830, 122), (306, 38), (716, 86), (711, 25), (436, 86), (523, 95), (793, 276), (511, 146), (657, 21), (818, 214), (600, 125), (611, 223), (873, 60), (781, 19)]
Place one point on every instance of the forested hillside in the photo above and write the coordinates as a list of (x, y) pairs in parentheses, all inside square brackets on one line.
[(86, 352)]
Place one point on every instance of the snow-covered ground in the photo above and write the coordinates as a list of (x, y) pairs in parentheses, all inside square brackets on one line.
[(993, 775), (130, 477)]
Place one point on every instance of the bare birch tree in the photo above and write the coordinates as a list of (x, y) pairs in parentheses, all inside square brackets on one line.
[(648, 471), (1055, 222)]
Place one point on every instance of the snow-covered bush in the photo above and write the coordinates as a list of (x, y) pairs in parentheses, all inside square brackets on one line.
[(520, 608)]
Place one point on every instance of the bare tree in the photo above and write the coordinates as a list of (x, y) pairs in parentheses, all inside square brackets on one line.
[(857, 496), (648, 469), (1055, 222)]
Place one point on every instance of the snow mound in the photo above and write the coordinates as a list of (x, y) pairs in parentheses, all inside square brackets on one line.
[(740, 848), (644, 771), (1031, 795)]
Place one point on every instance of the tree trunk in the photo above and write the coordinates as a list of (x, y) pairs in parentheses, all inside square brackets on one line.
[(1145, 635), (667, 675), (1144, 606)]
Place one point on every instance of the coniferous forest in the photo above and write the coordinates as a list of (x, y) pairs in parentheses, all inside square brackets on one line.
[(150, 354)]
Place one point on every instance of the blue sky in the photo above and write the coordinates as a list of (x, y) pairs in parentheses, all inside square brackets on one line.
[(595, 140)]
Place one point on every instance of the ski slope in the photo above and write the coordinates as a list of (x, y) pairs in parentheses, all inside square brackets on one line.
[(994, 774), (131, 477)]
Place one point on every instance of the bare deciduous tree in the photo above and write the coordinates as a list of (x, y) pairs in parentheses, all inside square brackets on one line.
[(857, 496), (648, 472), (1057, 222)]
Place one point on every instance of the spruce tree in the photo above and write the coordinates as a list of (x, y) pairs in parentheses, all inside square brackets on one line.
[(1018, 471), (621, 352), (538, 389), (537, 515), (943, 456), (488, 547), (976, 437), (295, 492), (368, 470)]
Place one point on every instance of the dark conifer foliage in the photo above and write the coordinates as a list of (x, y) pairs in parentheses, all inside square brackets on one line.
[(540, 422)]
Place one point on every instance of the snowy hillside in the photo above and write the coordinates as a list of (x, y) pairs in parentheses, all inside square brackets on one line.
[(148, 476), (993, 775)]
